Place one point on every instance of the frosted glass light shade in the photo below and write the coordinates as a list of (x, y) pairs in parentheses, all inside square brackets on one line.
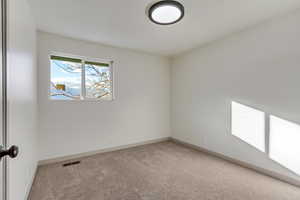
[(166, 12)]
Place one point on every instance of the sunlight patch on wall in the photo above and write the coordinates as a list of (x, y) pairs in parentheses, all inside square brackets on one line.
[(248, 124), (285, 143)]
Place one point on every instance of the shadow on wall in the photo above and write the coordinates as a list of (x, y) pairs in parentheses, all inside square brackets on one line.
[(278, 138)]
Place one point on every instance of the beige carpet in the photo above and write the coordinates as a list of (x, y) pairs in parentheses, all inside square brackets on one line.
[(156, 172)]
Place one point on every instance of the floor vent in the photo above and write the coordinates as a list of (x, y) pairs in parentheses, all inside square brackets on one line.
[(71, 163)]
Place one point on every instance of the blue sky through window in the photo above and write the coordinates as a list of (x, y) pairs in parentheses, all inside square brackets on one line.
[(65, 80)]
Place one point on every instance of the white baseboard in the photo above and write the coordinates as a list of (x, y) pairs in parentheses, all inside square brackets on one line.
[(260, 170), (80, 155)]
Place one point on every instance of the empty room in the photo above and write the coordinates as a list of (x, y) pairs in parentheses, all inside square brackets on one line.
[(150, 100)]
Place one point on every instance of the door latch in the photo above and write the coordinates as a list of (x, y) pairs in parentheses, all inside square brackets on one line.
[(12, 152)]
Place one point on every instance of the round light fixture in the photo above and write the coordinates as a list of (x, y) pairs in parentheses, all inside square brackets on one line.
[(166, 12)]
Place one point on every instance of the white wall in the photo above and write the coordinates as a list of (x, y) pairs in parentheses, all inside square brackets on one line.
[(22, 96), (140, 111), (258, 67)]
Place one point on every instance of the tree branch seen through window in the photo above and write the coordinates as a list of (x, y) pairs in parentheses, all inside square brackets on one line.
[(75, 79)]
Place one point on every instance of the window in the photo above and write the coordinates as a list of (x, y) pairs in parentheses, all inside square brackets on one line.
[(80, 79), (284, 143), (248, 124)]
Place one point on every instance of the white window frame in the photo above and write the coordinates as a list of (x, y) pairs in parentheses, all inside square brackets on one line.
[(83, 97)]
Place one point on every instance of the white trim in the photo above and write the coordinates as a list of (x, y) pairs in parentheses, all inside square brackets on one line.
[(82, 88), (272, 174), (86, 58), (259, 170), (267, 134), (112, 71), (91, 153)]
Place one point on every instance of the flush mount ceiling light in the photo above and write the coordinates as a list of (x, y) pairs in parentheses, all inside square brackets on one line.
[(166, 12)]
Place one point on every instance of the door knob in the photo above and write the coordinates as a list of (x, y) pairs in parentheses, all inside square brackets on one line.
[(12, 152)]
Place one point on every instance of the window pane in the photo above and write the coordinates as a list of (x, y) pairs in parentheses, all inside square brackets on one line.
[(248, 124), (98, 81), (285, 143), (65, 80)]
